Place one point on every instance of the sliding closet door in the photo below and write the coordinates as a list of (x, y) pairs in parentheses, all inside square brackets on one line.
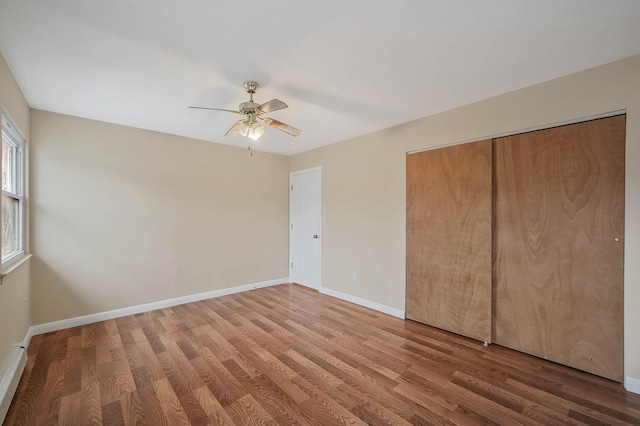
[(559, 218), (449, 239)]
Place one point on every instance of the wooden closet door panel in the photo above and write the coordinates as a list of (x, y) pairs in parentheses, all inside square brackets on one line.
[(449, 239), (558, 244)]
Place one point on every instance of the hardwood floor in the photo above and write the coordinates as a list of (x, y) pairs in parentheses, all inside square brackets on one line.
[(288, 355)]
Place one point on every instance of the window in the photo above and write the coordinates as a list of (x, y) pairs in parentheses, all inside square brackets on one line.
[(12, 195)]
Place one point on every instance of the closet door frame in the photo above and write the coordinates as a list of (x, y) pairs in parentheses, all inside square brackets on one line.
[(497, 136)]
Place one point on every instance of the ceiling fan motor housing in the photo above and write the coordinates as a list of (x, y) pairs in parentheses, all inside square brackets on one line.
[(247, 108)]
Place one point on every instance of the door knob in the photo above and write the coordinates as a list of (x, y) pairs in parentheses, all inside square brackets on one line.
[(315, 236)]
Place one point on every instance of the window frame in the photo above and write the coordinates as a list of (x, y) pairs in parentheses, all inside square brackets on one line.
[(13, 138)]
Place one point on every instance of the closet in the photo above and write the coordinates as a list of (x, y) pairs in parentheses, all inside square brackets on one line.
[(519, 241)]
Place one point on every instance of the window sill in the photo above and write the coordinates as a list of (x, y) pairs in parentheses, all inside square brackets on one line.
[(13, 265)]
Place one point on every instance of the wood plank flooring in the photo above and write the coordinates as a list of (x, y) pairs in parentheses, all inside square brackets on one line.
[(287, 355)]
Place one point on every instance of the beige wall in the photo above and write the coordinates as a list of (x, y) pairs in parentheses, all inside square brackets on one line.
[(364, 181), (15, 289), (123, 216)]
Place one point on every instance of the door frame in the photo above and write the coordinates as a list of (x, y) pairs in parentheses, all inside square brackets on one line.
[(317, 169)]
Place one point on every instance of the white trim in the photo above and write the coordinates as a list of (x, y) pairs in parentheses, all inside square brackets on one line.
[(27, 337), (8, 262), (10, 377), (398, 313), (301, 172), (632, 384), (528, 130), (132, 310), (14, 138), (12, 264)]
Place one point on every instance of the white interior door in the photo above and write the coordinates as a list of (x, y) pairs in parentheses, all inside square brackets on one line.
[(305, 211)]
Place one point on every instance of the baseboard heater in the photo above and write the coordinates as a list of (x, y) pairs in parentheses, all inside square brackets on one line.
[(10, 377)]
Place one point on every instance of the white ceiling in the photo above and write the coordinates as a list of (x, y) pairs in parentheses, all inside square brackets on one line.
[(346, 68)]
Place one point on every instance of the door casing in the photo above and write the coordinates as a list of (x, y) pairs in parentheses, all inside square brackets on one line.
[(305, 251)]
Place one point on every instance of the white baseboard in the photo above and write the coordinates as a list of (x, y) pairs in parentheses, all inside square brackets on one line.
[(398, 313), (632, 385), (10, 377), (132, 310)]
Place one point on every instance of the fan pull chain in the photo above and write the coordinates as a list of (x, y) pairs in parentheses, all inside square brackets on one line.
[(250, 152)]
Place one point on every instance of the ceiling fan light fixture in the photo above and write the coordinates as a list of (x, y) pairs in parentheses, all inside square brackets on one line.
[(240, 128), (255, 130)]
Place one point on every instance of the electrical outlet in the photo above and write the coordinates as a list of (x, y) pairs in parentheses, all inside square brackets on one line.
[(354, 276)]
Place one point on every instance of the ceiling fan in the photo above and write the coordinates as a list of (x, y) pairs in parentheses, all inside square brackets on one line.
[(249, 126)]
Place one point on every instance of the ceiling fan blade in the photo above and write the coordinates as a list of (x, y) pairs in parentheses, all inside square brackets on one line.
[(281, 126), (272, 105), (240, 128), (216, 109)]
